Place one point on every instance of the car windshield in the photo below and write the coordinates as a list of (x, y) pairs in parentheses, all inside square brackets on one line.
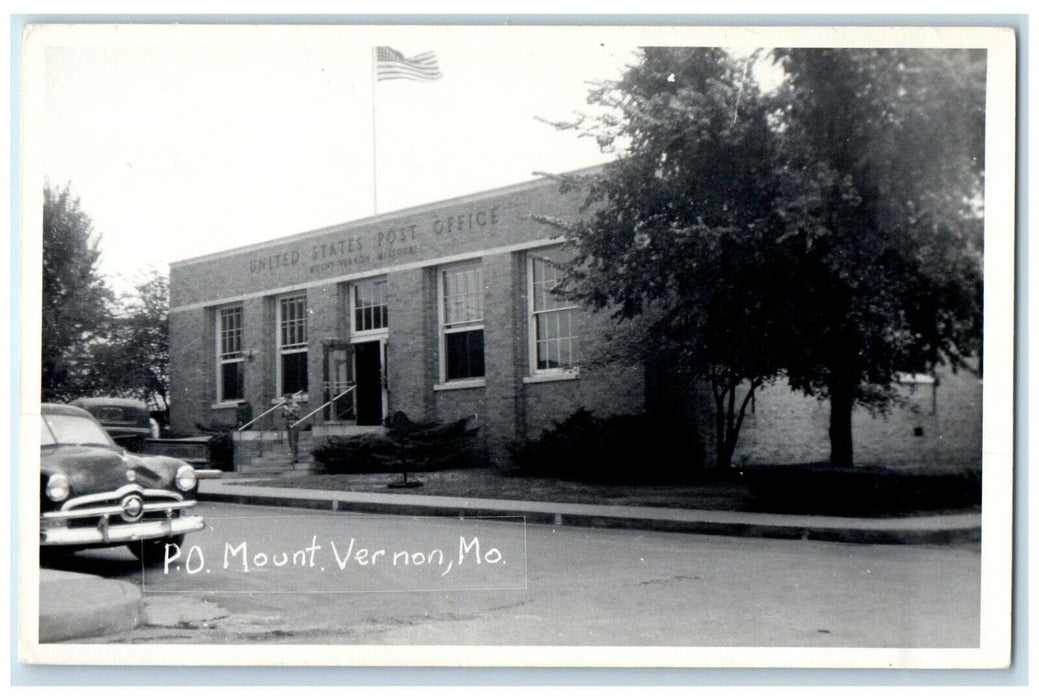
[(60, 429)]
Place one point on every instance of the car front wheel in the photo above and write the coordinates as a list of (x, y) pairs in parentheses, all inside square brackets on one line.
[(153, 552)]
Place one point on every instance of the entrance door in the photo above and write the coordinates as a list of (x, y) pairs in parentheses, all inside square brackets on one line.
[(337, 380), (369, 375)]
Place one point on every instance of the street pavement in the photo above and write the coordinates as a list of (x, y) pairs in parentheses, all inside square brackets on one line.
[(74, 606)]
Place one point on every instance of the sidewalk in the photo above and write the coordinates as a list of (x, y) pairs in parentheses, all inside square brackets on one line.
[(77, 606), (929, 529)]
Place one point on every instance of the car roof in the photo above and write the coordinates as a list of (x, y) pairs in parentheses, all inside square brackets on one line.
[(62, 410), (110, 401)]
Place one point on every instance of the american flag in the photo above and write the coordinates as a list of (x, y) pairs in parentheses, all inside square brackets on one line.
[(391, 64)]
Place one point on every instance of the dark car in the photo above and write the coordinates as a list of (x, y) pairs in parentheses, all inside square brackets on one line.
[(94, 493), (126, 420)]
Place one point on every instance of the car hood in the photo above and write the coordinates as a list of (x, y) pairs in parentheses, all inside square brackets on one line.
[(91, 469)]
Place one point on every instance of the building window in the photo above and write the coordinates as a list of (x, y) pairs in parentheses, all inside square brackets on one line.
[(369, 306), (230, 359), (461, 310), (553, 337), (292, 343)]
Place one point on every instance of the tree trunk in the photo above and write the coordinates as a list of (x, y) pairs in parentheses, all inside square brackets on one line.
[(842, 399), (729, 421), (724, 459), (721, 461)]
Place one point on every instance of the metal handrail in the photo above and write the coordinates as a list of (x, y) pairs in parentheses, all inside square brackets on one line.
[(273, 408), (327, 403)]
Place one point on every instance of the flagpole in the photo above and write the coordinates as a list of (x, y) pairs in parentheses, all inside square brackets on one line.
[(375, 181), (395, 65)]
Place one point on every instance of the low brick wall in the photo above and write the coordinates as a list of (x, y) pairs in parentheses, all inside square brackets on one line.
[(193, 450)]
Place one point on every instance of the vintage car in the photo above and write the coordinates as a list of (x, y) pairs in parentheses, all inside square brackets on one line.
[(94, 493), (126, 420)]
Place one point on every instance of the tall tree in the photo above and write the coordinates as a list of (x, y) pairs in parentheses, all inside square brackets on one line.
[(133, 360), (75, 297), (829, 232), (681, 229), (882, 164)]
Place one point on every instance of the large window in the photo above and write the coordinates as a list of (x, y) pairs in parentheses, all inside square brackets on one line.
[(461, 309), (292, 343), (230, 360), (369, 306), (553, 335)]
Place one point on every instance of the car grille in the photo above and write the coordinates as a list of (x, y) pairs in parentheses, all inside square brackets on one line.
[(130, 503)]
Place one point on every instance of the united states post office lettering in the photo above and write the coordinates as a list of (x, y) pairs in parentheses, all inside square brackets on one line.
[(466, 221), (335, 249), (273, 262)]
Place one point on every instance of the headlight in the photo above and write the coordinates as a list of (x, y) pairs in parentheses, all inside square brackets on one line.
[(186, 479), (57, 487)]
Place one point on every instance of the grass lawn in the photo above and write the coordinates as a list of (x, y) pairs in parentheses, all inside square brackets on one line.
[(826, 497), (491, 483)]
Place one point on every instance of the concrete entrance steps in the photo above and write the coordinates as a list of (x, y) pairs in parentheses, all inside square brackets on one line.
[(277, 464), (266, 452), (269, 454), (323, 430)]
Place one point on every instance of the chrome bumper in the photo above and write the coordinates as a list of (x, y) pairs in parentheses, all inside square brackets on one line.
[(104, 533)]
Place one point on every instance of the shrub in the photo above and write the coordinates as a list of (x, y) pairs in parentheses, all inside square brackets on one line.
[(220, 447), (406, 447), (615, 449), (866, 490)]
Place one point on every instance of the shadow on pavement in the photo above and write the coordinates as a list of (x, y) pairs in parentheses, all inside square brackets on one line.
[(103, 562)]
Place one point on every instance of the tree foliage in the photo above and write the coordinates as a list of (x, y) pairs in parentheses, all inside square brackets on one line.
[(881, 160), (828, 232), (133, 359), (681, 229), (76, 299), (95, 344)]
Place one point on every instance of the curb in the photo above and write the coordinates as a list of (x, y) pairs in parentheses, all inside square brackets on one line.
[(77, 606), (913, 530)]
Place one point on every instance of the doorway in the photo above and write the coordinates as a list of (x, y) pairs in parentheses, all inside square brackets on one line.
[(369, 371), (337, 363)]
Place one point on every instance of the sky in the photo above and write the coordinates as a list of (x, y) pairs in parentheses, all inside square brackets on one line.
[(183, 142)]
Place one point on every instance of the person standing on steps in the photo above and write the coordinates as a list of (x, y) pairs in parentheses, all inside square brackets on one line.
[(290, 412)]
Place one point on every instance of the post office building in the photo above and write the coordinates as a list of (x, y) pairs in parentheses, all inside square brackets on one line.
[(439, 311)]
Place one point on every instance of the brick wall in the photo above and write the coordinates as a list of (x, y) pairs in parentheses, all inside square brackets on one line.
[(959, 418), (410, 366), (935, 424), (189, 354)]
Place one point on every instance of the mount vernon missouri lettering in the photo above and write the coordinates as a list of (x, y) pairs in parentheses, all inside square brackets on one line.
[(380, 245), (239, 557)]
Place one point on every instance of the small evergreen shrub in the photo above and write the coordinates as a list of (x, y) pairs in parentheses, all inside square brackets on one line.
[(614, 449), (406, 447)]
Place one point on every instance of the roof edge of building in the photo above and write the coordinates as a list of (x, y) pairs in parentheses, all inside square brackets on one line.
[(397, 213)]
